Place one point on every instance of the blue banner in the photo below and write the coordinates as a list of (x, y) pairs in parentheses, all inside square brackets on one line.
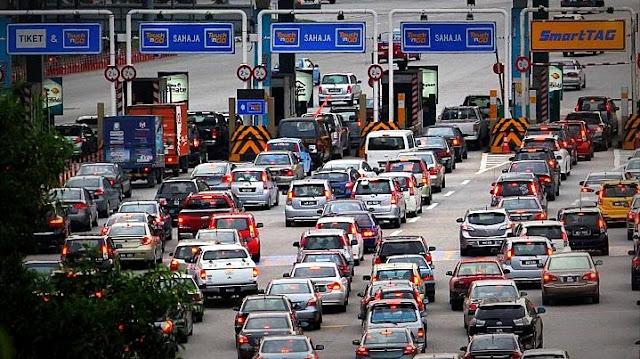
[(251, 107), (193, 38), (448, 37), (318, 37), (54, 39)]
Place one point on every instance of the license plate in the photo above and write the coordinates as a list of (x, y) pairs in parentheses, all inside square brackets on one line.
[(308, 203), (176, 202), (227, 290), (621, 204), (246, 189), (126, 255), (569, 279), (373, 203), (334, 90), (118, 246), (486, 243), (530, 262), (582, 233)]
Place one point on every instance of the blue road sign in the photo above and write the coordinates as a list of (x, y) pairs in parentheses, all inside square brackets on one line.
[(193, 38), (448, 37), (318, 37), (54, 39), (251, 107)]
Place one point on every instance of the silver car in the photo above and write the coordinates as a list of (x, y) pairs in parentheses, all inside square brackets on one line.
[(255, 186), (81, 209), (383, 197), (434, 165), (216, 174), (522, 255), (305, 198), (339, 87), (333, 288), (401, 313), (283, 165), (483, 229), (106, 197), (490, 290), (325, 239), (305, 299), (553, 230), (592, 183), (289, 346)]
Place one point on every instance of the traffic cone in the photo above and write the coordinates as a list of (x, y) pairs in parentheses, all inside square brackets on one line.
[(636, 141), (505, 145)]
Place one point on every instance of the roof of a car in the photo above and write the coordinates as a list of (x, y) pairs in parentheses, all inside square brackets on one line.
[(309, 181), (336, 219), (324, 231), (541, 223), (395, 265), (527, 239), (493, 282)]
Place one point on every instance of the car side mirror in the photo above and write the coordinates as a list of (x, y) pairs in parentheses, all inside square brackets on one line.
[(463, 349), (236, 309), (319, 211), (512, 158), (286, 275), (171, 254), (540, 265), (506, 271), (523, 294), (449, 273), (319, 347), (558, 157), (581, 183), (432, 248), (597, 193), (95, 196), (359, 316), (259, 225), (355, 342), (541, 310), (260, 291), (360, 294), (504, 170), (631, 252), (296, 244), (359, 81), (354, 242), (493, 184), (460, 220), (598, 262), (366, 277)]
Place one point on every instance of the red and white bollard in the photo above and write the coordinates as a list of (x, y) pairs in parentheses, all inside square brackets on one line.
[(505, 145)]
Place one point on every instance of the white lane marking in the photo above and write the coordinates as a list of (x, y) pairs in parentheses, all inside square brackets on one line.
[(395, 233), (414, 220), (432, 205), (449, 193), (492, 161), (465, 182)]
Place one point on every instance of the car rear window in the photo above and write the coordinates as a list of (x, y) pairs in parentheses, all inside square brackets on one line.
[(373, 187), (289, 288), (333, 177), (508, 312), (69, 130), (267, 323), (393, 313), (186, 252), (308, 190), (427, 157), (581, 219), (620, 190), (314, 272), (87, 182), (521, 156), (320, 258), (569, 263), (390, 274), (417, 260), (551, 232), (80, 245), (273, 159), (403, 182), (127, 231), (206, 203), (341, 207), (211, 169), (440, 131), (297, 129), (633, 164), (590, 118), (335, 79), (390, 248), (65, 194), (486, 343), (264, 305), (135, 207), (283, 146), (486, 219), (529, 249), (323, 242), (224, 254), (494, 291), (386, 336), (284, 346), (545, 143), (516, 188), (454, 114), (435, 141), (479, 268), (219, 236), (520, 203), (405, 166), (386, 143), (232, 223), (529, 167), (178, 188), (593, 104), (129, 217), (575, 129), (364, 221), (335, 225), (96, 170), (247, 176)]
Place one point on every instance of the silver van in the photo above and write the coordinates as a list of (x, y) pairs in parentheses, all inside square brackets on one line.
[(383, 197), (305, 198)]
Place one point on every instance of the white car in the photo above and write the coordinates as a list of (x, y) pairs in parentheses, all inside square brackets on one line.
[(333, 288), (551, 142), (409, 186), (339, 87), (592, 183), (225, 270), (349, 225), (360, 165)]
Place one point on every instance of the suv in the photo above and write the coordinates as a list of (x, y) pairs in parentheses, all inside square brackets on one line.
[(283, 166), (342, 181), (212, 131), (350, 226), (492, 291), (336, 87), (313, 134), (339, 132), (470, 121), (305, 198), (551, 142), (483, 228), (597, 127), (540, 168), (581, 136), (383, 197), (499, 345), (172, 194), (396, 245), (552, 230), (416, 166), (556, 129), (350, 117), (81, 137), (398, 313), (216, 174), (325, 239), (537, 154), (162, 218), (522, 255), (455, 137), (96, 248), (586, 228), (602, 104), (517, 184), (519, 317)]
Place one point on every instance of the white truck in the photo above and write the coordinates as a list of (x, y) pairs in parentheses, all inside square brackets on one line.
[(225, 271)]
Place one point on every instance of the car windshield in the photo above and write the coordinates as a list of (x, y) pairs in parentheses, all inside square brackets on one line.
[(508, 312), (388, 274), (529, 249), (551, 232), (569, 263), (289, 288), (454, 114), (529, 167), (308, 190), (186, 252), (519, 203), (210, 169), (297, 129), (87, 182), (138, 207), (96, 170), (386, 143), (169, 188), (207, 202), (596, 179), (581, 219), (264, 305), (479, 268), (390, 248), (486, 218), (232, 223), (403, 182), (339, 207), (620, 190), (323, 242), (283, 146), (284, 346), (81, 245), (248, 176), (278, 322), (633, 165), (440, 131), (127, 230), (327, 258), (42, 268), (492, 342), (386, 336), (332, 176), (516, 188), (373, 187), (335, 225), (314, 272), (364, 221), (229, 237), (543, 143), (405, 166), (393, 313), (128, 217), (65, 194), (69, 131), (202, 119), (480, 101), (174, 283), (273, 159), (335, 79), (526, 155), (224, 254), (575, 129), (494, 291), (342, 165)]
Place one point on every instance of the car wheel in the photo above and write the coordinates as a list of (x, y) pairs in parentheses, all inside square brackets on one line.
[(95, 221), (634, 284), (545, 300), (464, 252), (288, 223), (605, 250), (396, 223), (453, 164), (465, 154), (588, 157), (151, 180), (420, 208), (199, 317), (456, 304), (596, 298), (444, 183), (356, 261), (629, 235), (256, 257), (563, 176), (432, 298), (448, 168), (403, 219)]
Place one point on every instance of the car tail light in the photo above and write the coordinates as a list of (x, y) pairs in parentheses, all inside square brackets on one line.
[(162, 201), (533, 189), (583, 135), (586, 189), (455, 141), (427, 277), (180, 220), (319, 89), (104, 231), (255, 272), (227, 178), (368, 233), (608, 107), (635, 262), (516, 356), (263, 177), (170, 159), (203, 274), (252, 230), (411, 187), (548, 277), (56, 221), (577, 108), (112, 182), (312, 302), (410, 349), (196, 143), (552, 163), (377, 260), (509, 254), (549, 251), (80, 206), (354, 231), (473, 306), (416, 280), (593, 275), (157, 221), (167, 326), (602, 224), (146, 240), (327, 194), (289, 172), (545, 179), (600, 128), (65, 250), (348, 89), (433, 171), (362, 351), (78, 140), (173, 265), (394, 198), (540, 216), (242, 339), (425, 177), (240, 320), (427, 257), (476, 126), (349, 185), (334, 286), (99, 192), (214, 133), (289, 196), (104, 250)]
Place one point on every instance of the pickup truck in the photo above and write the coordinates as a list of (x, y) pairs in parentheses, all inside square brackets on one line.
[(197, 211), (469, 119), (225, 270), (339, 131)]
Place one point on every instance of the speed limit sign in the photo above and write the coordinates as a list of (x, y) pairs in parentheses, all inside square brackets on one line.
[(111, 73), (375, 72), (260, 73), (128, 73), (244, 72)]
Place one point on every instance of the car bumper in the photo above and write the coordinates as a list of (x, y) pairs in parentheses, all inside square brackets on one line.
[(219, 188), (293, 214), (392, 214), (615, 215), (309, 314), (237, 289), (335, 297), (136, 254), (260, 198), (480, 242), (570, 81), (284, 181), (584, 149), (560, 291), (370, 242), (80, 218), (52, 239), (588, 242), (335, 97), (523, 275)]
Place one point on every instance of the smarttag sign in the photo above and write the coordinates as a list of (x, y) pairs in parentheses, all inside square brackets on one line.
[(578, 35), (54, 39), (251, 107), (448, 37), (194, 38), (318, 37)]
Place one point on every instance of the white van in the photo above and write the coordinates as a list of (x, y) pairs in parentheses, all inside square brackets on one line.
[(381, 146)]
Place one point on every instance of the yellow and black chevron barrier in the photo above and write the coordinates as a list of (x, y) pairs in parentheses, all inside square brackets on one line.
[(374, 126), (631, 132), (247, 142), (512, 129)]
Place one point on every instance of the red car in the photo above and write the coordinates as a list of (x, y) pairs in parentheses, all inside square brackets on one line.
[(582, 137), (398, 55), (467, 271), (198, 208), (247, 227)]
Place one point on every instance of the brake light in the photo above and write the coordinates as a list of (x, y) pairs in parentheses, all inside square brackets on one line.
[(416, 280), (427, 257), (334, 286), (608, 107), (112, 182), (593, 275), (348, 89), (203, 274), (497, 189), (577, 108), (635, 262), (104, 250), (319, 89), (349, 185), (289, 172), (549, 251), (289, 196), (362, 351), (99, 192), (378, 260), (327, 194), (167, 326), (456, 141), (196, 143), (547, 277), (540, 216), (313, 301), (170, 159), (545, 179), (252, 230), (394, 198), (411, 187), (433, 171), (157, 220), (353, 229), (146, 240), (586, 189), (173, 265), (180, 220), (368, 233), (255, 272), (56, 221), (602, 224), (227, 179), (427, 277), (565, 144), (240, 320), (552, 163), (509, 254), (242, 339), (410, 349), (516, 356), (104, 230), (263, 177), (65, 250), (583, 135), (473, 306)]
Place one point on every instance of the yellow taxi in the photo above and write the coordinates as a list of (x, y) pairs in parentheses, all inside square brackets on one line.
[(614, 199)]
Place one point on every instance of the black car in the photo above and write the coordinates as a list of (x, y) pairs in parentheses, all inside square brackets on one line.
[(548, 177), (261, 303), (371, 230), (52, 227), (162, 219), (558, 129), (97, 248), (602, 104), (495, 346), (314, 135), (586, 228), (197, 150), (260, 325), (396, 245), (453, 135), (635, 265), (582, 3), (440, 146), (213, 131), (172, 193), (597, 126), (520, 317), (545, 154), (113, 172), (517, 185), (338, 206), (350, 117)]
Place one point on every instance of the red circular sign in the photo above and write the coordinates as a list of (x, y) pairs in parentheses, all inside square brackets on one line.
[(523, 64), (260, 73), (128, 73), (498, 68), (375, 72), (111, 73), (244, 72)]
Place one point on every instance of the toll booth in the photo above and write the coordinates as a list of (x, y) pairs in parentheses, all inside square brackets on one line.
[(407, 99), (283, 91), (148, 90)]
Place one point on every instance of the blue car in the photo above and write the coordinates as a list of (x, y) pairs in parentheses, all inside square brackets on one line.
[(426, 271), (341, 181), (294, 145)]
